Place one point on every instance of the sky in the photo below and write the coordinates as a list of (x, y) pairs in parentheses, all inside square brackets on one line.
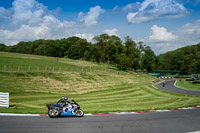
[(164, 25)]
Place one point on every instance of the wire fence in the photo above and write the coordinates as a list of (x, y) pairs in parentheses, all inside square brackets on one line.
[(54, 69)]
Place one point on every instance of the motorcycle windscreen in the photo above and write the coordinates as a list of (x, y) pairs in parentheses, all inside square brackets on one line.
[(67, 113)]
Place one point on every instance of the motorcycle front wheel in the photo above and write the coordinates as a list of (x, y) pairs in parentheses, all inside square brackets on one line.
[(79, 113), (53, 113)]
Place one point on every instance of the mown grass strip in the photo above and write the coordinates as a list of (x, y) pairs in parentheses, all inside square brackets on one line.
[(188, 85), (94, 86)]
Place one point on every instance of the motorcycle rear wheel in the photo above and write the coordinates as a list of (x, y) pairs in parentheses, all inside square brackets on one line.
[(79, 113), (53, 113)]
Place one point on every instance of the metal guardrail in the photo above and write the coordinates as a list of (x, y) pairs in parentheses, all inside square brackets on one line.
[(4, 99)]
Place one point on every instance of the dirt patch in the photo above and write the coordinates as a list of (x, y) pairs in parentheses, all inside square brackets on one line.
[(78, 63)]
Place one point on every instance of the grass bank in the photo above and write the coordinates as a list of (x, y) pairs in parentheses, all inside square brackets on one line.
[(188, 85), (96, 87)]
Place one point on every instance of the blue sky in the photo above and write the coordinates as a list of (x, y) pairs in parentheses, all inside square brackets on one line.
[(162, 24)]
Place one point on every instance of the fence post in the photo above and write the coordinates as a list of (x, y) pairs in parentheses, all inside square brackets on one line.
[(4, 99)]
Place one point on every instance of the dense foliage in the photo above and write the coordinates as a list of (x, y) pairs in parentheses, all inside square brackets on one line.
[(107, 49), (186, 60), (125, 54)]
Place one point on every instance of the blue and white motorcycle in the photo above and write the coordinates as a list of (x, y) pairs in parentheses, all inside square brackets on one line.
[(71, 109)]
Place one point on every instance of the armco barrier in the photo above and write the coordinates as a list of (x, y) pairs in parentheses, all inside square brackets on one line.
[(4, 99)]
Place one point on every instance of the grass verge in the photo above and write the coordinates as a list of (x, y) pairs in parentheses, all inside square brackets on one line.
[(94, 86), (188, 85)]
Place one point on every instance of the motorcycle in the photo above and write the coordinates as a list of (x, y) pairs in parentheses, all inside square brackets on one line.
[(71, 109)]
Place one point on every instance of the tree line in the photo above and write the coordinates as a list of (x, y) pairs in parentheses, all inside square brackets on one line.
[(185, 59), (126, 54)]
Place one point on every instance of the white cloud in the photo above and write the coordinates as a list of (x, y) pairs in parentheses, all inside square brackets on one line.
[(32, 20), (189, 33), (55, 24), (87, 36), (164, 47), (91, 17), (28, 12), (111, 32), (156, 9), (49, 28), (24, 33), (160, 34), (132, 7), (162, 41)]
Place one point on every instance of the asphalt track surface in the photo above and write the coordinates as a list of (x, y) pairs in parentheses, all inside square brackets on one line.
[(169, 86), (180, 121)]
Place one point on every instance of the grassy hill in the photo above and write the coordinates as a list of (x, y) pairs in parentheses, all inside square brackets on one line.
[(34, 81)]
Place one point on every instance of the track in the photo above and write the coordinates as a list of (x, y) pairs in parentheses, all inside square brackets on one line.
[(169, 86), (181, 121)]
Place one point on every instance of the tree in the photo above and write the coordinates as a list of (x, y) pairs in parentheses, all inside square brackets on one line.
[(87, 55), (101, 42), (92, 54), (73, 52), (186, 59), (50, 48), (132, 52), (105, 42), (123, 62), (35, 44), (147, 59), (130, 44), (111, 51), (2, 47), (82, 45), (65, 44), (23, 47), (40, 50)]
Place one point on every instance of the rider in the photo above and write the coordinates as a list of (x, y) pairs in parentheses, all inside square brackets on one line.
[(63, 102)]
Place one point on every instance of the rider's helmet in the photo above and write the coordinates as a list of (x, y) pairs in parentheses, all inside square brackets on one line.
[(65, 98)]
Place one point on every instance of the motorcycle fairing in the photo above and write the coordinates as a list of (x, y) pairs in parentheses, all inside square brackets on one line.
[(56, 105), (67, 113)]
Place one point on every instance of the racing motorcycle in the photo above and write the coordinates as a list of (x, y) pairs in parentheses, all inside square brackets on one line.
[(71, 109)]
